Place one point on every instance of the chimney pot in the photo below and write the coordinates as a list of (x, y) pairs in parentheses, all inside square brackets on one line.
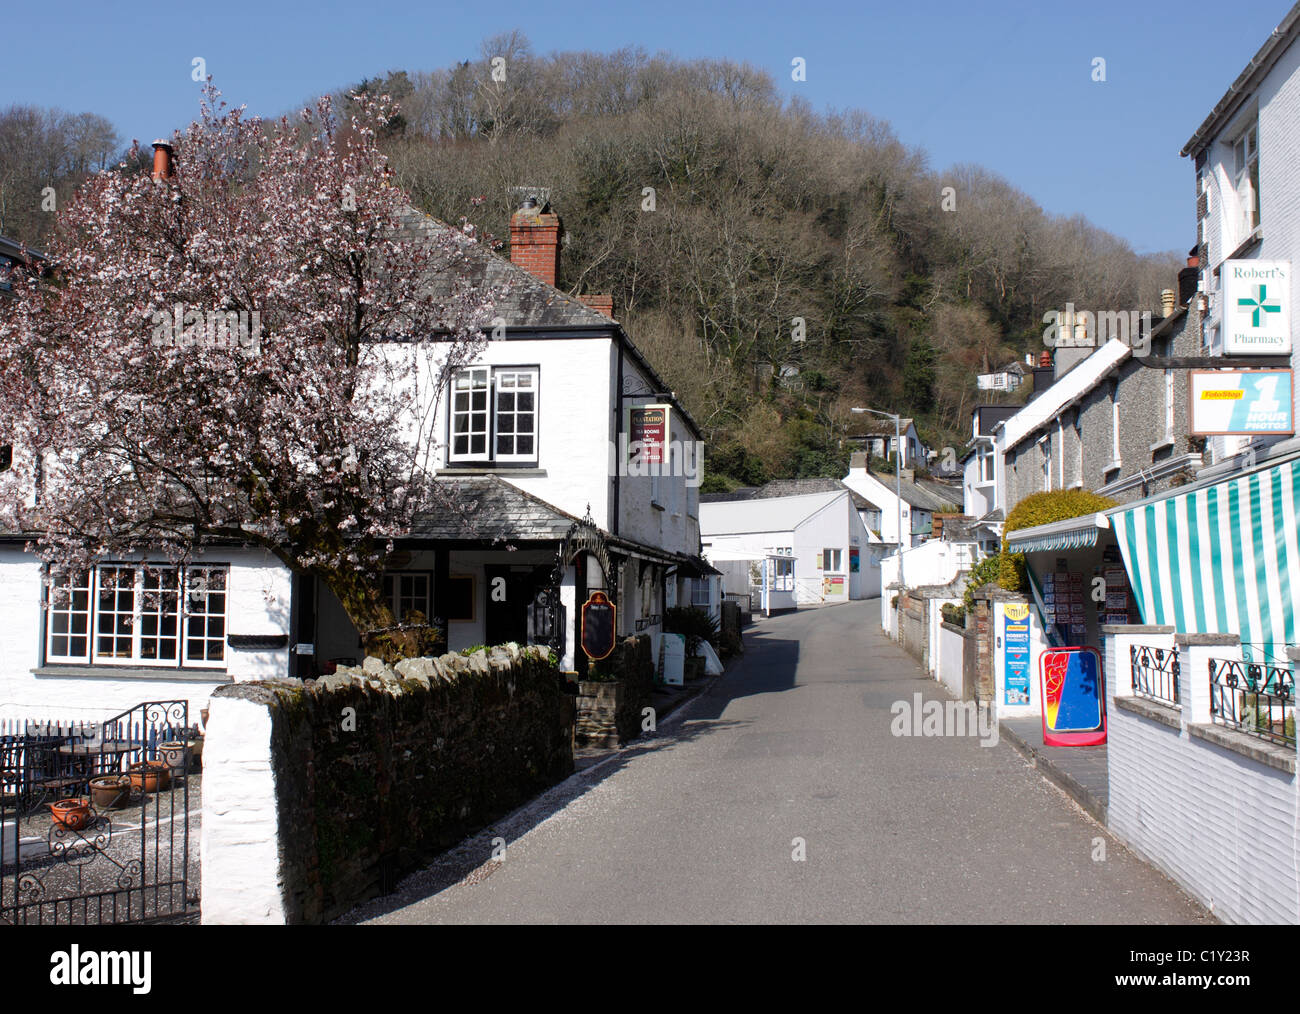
[(1044, 358), (163, 167)]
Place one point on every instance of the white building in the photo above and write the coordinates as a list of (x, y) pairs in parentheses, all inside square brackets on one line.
[(877, 437), (529, 433), (802, 539), (921, 500), (1247, 160)]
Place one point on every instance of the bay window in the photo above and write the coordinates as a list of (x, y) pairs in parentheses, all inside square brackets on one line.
[(140, 615)]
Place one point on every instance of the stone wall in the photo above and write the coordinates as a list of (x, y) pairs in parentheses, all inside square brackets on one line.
[(354, 779), (609, 713)]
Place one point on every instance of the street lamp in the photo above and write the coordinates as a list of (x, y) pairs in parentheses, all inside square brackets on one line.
[(898, 477)]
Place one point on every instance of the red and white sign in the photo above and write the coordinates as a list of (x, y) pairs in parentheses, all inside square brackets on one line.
[(648, 433)]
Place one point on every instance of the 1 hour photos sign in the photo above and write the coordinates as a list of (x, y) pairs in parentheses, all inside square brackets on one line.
[(1240, 402)]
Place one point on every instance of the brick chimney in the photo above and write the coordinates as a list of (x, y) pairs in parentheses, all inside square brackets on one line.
[(601, 304), (535, 240), (163, 165)]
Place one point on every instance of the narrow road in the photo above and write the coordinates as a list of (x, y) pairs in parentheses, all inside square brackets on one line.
[(699, 824)]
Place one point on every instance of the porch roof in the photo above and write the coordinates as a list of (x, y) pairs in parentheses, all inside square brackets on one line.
[(489, 508)]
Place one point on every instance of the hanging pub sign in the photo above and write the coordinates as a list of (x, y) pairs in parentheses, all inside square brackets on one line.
[(1256, 308), (647, 430), (598, 626), (1240, 402)]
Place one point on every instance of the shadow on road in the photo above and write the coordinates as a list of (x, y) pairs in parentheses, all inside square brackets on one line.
[(472, 860)]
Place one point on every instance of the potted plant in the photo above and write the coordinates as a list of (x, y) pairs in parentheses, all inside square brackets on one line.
[(74, 814), (108, 792), (149, 775), (173, 755)]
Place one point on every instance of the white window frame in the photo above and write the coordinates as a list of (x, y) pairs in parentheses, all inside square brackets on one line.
[(1245, 176), (466, 381), (194, 584), (1169, 404), (1114, 426), (498, 388)]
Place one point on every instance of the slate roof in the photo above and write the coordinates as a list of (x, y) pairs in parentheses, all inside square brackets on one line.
[(488, 507), (790, 487), (528, 302)]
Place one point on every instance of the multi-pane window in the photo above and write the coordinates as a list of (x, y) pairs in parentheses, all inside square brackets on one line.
[(407, 593), (700, 592), (137, 614), (494, 414), (831, 559), (69, 618), (469, 414), (1246, 170), (516, 414)]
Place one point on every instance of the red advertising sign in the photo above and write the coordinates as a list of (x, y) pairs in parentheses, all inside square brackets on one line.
[(648, 428)]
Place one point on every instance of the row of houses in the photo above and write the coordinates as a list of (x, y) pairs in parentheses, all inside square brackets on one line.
[(1188, 587), (528, 433)]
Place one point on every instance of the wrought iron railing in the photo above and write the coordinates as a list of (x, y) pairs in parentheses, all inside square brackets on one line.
[(1254, 698), (1155, 673)]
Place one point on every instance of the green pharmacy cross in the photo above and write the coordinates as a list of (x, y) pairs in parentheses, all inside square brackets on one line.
[(1260, 303)]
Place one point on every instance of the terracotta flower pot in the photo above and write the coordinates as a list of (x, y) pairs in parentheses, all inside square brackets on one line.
[(74, 814), (173, 755), (149, 776), (108, 792)]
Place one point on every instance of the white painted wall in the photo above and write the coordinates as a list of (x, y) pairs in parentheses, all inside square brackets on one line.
[(1221, 824), (577, 445), (950, 658), (240, 833), (932, 562), (258, 603)]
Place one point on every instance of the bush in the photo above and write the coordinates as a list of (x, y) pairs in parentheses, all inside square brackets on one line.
[(1058, 505), (954, 614), (696, 624)]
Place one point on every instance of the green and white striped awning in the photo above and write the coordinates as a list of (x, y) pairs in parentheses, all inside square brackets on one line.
[(1072, 533), (1219, 559)]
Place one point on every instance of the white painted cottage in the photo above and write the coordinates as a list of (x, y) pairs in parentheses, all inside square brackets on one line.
[(805, 537), (530, 434)]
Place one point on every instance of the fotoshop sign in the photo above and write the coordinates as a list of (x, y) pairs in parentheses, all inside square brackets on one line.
[(1257, 308), (1244, 402)]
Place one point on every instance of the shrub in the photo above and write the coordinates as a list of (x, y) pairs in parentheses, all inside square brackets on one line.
[(1058, 505), (954, 614), (696, 624)]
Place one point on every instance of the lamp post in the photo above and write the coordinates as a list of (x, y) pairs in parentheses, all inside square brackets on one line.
[(898, 478)]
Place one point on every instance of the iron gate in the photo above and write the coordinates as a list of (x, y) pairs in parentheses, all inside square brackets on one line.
[(94, 819)]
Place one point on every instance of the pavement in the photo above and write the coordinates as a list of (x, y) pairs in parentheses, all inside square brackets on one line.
[(785, 793), (1081, 771)]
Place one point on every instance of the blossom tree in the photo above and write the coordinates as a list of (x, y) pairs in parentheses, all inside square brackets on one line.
[(241, 350)]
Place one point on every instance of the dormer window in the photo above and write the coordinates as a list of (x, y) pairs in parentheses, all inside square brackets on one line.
[(494, 414)]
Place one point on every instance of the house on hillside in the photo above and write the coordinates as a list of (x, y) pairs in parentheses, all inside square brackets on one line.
[(876, 437), (532, 434), (1007, 379), (793, 542)]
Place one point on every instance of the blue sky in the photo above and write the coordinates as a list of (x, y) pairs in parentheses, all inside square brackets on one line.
[(1005, 85)]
